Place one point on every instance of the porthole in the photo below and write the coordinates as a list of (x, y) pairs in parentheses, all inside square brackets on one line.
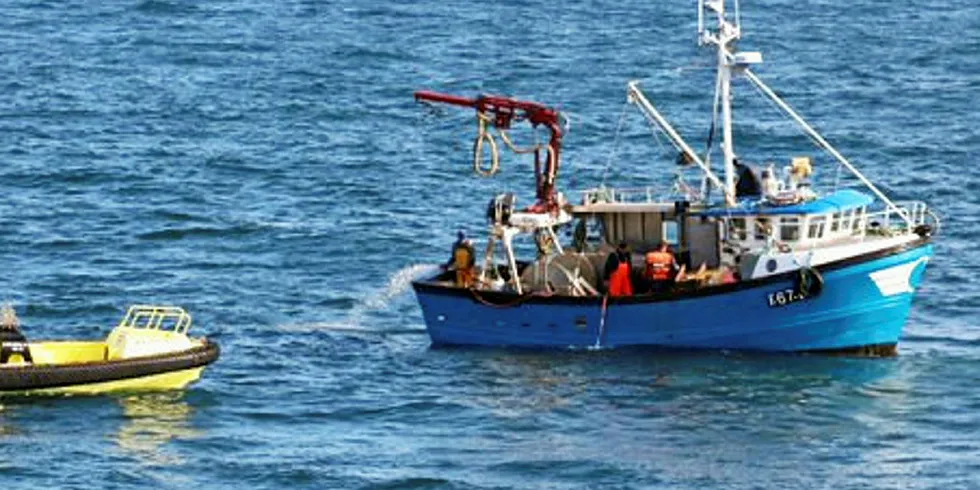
[(771, 265)]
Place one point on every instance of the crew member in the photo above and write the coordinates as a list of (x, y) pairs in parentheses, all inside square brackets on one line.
[(770, 184), (619, 266), (13, 344), (661, 266), (463, 261)]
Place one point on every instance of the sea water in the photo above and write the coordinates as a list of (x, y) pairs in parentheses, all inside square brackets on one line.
[(263, 164)]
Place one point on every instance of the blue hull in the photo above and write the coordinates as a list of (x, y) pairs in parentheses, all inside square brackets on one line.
[(864, 302)]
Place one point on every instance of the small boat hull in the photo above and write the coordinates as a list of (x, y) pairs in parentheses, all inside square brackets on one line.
[(73, 375), (863, 306)]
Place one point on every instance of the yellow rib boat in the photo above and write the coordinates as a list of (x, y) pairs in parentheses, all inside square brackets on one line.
[(149, 350)]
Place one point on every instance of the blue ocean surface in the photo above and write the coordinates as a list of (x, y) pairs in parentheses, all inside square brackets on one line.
[(264, 165)]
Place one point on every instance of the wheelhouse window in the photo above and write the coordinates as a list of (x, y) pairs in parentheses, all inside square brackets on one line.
[(845, 221), (736, 228), (762, 230), (835, 222), (858, 220), (789, 229), (817, 224)]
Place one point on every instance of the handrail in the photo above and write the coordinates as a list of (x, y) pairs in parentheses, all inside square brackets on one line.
[(154, 317), (621, 195), (912, 213)]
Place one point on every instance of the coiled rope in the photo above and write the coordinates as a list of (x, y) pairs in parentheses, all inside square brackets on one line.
[(485, 137), (483, 134)]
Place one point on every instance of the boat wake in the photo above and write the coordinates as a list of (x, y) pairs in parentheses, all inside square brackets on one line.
[(357, 319)]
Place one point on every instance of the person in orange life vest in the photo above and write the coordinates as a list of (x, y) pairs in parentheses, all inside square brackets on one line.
[(661, 267), (619, 266), (728, 276), (463, 261)]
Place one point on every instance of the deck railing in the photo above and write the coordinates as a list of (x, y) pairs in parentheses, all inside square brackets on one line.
[(917, 211), (647, 194)]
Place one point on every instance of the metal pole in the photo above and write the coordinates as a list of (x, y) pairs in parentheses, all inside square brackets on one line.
[(726, 34), (700, 22), (508, 236), (727, 148), (488, 259)]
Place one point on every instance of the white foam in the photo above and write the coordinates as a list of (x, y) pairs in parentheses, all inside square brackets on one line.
[(399, 283)]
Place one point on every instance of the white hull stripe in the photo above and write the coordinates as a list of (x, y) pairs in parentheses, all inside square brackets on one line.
[(898, 279)]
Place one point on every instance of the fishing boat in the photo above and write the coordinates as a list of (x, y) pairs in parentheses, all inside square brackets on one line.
[(149, 350), (765, 260)]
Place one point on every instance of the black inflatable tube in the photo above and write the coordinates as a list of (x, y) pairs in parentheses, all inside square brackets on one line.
[(34, 377)]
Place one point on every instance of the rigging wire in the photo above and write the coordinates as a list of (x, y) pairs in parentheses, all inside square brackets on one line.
[(615, 149), (778, 111), (656, 137)]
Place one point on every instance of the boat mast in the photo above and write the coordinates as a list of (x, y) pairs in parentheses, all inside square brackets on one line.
[(727, 148), (727, 33), (731, 62)]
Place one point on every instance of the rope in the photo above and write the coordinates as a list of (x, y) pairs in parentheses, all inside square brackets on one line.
[(602, 321), (656, 137), (514, 148), (615, 150), (483, 134)]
